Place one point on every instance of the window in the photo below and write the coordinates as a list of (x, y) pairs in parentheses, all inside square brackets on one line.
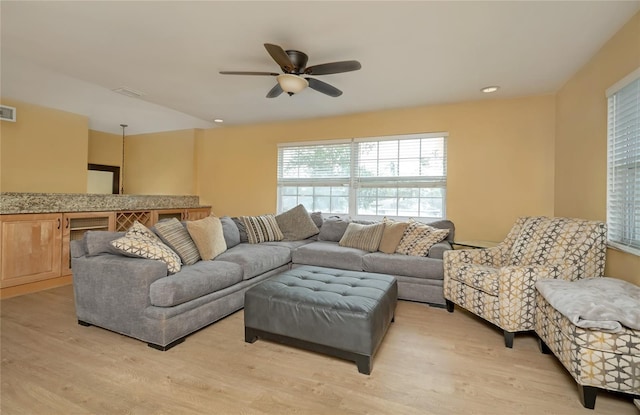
[(384, 176), (623, 163)]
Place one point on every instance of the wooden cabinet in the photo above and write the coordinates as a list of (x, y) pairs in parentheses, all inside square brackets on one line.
[(35, 251), (197, 213), (74, 225), (31, 248)]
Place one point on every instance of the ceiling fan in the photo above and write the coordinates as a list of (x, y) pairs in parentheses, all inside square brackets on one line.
[(294, 77)]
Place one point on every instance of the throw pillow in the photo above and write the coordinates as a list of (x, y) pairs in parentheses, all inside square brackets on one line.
[(241, 229), (99, 242), (418, 238), (316, 217), (138, 229), (296, 224), (175, 235), (141, 244), (333, 228), (261, 229), (392, 235), (208, 236), (365, 237), (230, 232)]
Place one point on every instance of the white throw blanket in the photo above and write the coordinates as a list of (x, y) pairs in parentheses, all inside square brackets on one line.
[(605, 304)]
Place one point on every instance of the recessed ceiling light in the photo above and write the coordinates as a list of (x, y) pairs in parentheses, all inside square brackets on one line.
[(218, 120), (490, 89)]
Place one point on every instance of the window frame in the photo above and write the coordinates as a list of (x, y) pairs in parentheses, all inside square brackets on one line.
[(612, 167), (354, 182)]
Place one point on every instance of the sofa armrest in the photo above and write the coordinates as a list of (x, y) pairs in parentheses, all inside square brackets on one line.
[(437, 250), (491, 257), (112, 290), (517, 294)]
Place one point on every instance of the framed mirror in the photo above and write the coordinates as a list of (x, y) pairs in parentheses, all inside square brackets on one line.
[(103, 179)]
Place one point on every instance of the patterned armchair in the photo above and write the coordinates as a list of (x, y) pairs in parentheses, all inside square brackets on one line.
[(498, 284)]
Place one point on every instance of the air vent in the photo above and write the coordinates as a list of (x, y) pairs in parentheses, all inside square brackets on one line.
[(124, 90), (7, 113)]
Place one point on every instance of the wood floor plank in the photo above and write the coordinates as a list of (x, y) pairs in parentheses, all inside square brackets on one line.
[(430, 362)]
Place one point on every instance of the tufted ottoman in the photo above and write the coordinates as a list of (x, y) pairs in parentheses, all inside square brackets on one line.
[(336, 312)]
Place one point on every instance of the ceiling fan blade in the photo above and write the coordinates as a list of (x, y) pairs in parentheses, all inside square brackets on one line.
[(324, 87), (333, 67), (275, 91), (248, 73), (280, 56)]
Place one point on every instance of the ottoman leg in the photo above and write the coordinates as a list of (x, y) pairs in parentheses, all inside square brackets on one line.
[(508, 339), (588, 396), (249, 335), (364, 364), (543, 346), (450, 306)]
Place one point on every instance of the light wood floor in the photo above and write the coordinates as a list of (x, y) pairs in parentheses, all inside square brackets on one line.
[(430, 362)]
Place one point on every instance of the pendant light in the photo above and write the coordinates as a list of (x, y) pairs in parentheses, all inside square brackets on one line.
[(122, 167)]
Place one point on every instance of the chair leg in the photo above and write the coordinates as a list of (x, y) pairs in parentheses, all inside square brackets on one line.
[(508, 339), (543, 346), (588, 396), (450, 305)]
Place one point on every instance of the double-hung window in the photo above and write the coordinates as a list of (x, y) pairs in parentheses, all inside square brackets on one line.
[(623, 164), (398, 176)]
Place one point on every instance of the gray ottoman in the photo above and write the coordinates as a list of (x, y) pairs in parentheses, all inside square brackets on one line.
[(340, 313)]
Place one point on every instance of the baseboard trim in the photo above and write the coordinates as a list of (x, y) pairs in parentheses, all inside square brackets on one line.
[(36, 286)]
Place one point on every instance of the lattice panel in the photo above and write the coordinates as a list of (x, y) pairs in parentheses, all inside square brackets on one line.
[(124, 220)]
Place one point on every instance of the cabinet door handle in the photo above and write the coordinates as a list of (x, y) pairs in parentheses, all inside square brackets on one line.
[(67, 224), (59, 223)]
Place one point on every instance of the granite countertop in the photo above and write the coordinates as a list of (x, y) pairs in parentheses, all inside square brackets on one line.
[(13, 203)]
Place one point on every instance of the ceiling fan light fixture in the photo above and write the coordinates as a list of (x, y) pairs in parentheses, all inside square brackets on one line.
[(292, 84)]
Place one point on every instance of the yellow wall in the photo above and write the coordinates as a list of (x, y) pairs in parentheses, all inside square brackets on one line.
[(500, 159), (44, 151), (160, 163), (581, 138), (105, 148)]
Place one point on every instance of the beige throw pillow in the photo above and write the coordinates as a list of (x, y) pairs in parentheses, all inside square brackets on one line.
[(392, 235), (418, 238), (208, 236), (365, 237)]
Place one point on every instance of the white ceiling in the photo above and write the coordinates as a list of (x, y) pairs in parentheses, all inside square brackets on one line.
[(70, 55)]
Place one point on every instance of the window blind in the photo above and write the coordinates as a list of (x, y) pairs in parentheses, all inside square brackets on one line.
[(375, 176), (623, 165)]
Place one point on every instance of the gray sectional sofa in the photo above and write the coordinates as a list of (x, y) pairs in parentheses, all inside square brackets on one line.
[(136, 297)]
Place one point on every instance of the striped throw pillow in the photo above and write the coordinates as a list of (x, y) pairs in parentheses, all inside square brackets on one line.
[(174, 234), (261, 229), (365, 237)]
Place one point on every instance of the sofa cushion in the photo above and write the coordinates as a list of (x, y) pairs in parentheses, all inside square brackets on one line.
[(403, 265), (365, 237), (296, 224), (256, 259), (194, 281), (329, 254), (175, 235), (208, 236), (99, 242), (418, 238), (230, 231), (261, 228), (333, 228), (480, 277), (317, 219)]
